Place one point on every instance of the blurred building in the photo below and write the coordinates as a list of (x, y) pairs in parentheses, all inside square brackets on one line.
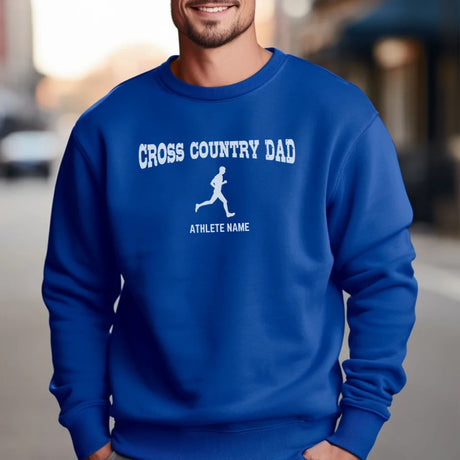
[(405, 54), (18, 76), (16, 51)]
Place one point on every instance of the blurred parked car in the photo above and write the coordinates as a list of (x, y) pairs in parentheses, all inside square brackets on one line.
[(28, 151)]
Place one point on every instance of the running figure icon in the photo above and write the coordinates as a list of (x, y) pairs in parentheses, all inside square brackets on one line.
[(217, 184)]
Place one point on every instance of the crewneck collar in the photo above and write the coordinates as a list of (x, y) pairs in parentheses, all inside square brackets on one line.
[(269, 70)]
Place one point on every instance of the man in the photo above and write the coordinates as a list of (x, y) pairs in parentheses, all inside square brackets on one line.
[(217, 183), (225, 342)]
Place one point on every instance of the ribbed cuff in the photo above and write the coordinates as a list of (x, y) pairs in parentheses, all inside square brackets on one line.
[(90, 431), (357, 431)]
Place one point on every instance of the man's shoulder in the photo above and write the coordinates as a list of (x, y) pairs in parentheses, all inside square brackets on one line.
[(323, 87), (110, 115), (123, 97), (313, 73)]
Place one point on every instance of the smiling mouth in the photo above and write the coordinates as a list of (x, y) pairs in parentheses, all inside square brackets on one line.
[(214, 9)]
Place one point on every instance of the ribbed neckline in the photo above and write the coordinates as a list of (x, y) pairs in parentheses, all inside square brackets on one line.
[(222, 92)]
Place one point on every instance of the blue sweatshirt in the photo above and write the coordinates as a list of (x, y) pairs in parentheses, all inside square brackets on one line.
[(228, 222)]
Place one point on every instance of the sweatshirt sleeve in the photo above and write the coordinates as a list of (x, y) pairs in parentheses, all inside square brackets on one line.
[(80, 286), (368, 217)]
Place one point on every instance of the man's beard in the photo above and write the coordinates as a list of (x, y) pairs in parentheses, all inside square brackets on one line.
[(211, 38)]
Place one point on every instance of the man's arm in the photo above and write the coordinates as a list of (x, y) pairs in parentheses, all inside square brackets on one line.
[(80, 286), (368, 217)]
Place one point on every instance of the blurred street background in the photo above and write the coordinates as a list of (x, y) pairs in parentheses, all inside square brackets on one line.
[(57, 57)]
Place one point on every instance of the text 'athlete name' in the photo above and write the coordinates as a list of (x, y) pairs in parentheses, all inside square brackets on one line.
[(230, 227)]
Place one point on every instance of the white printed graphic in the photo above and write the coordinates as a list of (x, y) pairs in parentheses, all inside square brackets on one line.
[(217, 184)]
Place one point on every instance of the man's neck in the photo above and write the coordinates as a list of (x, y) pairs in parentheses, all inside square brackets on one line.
[(225, 65)]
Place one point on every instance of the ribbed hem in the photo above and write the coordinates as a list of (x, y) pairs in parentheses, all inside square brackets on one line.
[(357, 431), (273, 439), (90, 431)]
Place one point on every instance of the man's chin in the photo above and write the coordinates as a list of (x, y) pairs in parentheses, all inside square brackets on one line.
[(212, 41)]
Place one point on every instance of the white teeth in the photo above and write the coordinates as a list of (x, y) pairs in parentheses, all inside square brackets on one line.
[(216, 9)]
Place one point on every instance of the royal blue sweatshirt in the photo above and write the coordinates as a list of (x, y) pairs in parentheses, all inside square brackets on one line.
[(228, 222)]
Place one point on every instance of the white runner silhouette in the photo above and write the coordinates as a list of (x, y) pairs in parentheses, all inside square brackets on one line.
[(217, 184)]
